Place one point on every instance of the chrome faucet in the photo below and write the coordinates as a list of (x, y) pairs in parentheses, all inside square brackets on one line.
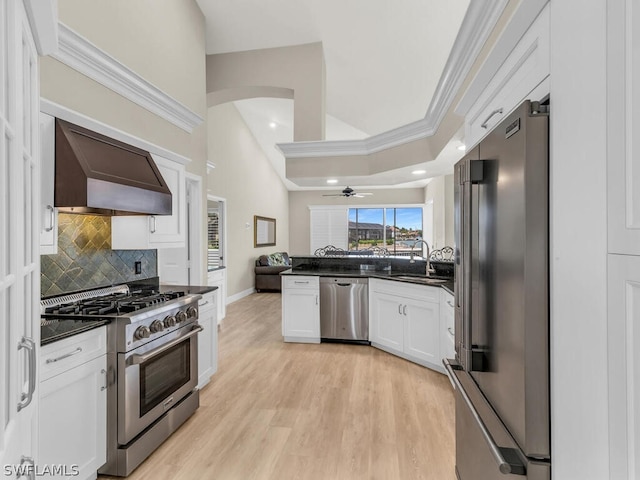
[(411, 260)]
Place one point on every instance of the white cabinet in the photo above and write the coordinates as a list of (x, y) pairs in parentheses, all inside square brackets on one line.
[(73, 405), (404, 319), (218, 278), (207, 339), (301, 309), (447, 325), (524, 74), (48, 213), (156, 231)]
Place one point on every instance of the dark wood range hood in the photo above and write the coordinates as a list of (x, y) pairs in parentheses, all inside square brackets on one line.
[(98, 175)]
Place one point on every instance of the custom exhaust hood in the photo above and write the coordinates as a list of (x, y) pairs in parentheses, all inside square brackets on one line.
[(98, 175)]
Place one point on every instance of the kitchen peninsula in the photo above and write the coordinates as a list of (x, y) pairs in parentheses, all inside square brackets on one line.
[(410, 314)]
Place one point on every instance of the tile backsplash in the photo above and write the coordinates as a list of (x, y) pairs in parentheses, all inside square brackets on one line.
[(85, 259)]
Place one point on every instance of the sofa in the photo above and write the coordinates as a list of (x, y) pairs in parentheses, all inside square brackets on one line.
[(267, 271)]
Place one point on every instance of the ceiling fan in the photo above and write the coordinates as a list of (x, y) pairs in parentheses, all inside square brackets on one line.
[(349, 192)]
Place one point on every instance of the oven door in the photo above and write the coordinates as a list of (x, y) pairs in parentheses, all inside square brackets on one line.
[(153, 378)]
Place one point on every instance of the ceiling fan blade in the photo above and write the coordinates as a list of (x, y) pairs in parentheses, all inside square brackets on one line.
[(365, 193), (333, 195)]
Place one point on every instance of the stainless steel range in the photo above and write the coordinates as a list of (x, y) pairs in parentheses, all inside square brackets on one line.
[(152, 359)]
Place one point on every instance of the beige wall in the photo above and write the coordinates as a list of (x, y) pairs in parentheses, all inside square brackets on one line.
[(440, 191), (299, 234), (165, 46), (245, 178)]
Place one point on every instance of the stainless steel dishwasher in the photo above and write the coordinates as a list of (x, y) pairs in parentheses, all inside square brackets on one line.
[(344, 309)]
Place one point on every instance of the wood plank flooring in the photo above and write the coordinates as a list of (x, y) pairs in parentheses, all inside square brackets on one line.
[(279, 411)]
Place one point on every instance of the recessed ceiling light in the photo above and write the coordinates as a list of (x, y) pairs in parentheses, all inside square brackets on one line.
[(418, 172), (332, 180), (462, 147), (273, 125)]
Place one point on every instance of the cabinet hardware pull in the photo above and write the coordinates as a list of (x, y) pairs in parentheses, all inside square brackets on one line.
[(486, 120), (450, 304), (153, 229), (106, 380), (66, 355), (203, 303), (30, 346), (450, 330), (316, 299), (400, 309), (404, 310), (301, 283), (51, 218)]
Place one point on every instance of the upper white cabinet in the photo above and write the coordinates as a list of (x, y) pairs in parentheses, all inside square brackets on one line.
[(48, 213), (501, 86), (156, 231), (404, 319), (301, 309)]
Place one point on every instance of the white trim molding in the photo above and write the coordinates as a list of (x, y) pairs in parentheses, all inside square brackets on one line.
[(478, 23), (80, 54), (43, 18)]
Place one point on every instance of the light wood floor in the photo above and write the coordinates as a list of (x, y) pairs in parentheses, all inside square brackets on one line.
[(295, 411)]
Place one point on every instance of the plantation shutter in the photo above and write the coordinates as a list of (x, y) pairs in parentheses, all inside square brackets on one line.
[(329, 226)]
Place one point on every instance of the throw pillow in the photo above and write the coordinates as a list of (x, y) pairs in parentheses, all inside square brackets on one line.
[(276, 259)]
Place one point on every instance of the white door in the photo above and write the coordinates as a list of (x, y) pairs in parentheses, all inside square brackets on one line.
[(19, 238), (422, 330), (387, 327)]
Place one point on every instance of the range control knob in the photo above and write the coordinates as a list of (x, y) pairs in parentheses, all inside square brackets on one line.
[(156, 326), (142, 332), (192, 312), (181, 317), (170, 321)]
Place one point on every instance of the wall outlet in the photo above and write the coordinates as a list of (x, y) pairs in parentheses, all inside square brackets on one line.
[(138, 268)]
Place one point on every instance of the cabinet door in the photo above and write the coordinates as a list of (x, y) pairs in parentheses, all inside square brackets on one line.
[(387, 324), (447, 326), (155, 231), (207, 339), (48, 214), (623, 121), (301, 315), (422, 330), (168, 230), (218, 278), (73, 419)]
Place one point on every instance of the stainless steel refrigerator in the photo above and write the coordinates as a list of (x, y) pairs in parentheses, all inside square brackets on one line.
[(501, 369)]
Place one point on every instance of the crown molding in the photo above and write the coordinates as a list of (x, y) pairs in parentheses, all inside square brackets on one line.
[(78, 53), (477, 25)]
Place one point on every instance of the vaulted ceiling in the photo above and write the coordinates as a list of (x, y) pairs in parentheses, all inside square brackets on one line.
[(383, 61)]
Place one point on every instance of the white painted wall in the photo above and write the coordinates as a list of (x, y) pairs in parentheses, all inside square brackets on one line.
[(247, 180), (579, 421)]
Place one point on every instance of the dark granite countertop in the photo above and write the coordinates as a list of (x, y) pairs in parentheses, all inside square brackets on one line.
[(54, 329), (417, 279)]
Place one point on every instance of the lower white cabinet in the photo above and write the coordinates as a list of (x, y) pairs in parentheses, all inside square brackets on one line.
[(73, 406), (404, 319), (301, 309), (218, 278), (447, 325), (207, 339)]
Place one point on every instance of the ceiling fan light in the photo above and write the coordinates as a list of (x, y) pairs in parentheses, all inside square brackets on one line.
[(332, 181)]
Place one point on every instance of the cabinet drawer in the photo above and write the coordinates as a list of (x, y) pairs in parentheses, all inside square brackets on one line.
[(208, 301), (60, 356), (300, 281), (404, 289)]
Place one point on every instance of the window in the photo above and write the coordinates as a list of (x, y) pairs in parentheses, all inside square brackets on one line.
[(395, 229), (214, 257)]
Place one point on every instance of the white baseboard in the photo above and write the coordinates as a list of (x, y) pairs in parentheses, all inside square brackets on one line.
[(238, 296)]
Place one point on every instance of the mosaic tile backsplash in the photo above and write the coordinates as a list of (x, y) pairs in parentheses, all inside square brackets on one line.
[(85, 259)]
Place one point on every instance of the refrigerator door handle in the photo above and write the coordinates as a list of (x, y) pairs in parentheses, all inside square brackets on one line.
[(508, 461)]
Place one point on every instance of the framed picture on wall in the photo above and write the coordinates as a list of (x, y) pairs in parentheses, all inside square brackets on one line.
[(264, 231)]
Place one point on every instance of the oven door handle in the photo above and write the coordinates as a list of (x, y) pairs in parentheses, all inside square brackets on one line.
[(137, 359)]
